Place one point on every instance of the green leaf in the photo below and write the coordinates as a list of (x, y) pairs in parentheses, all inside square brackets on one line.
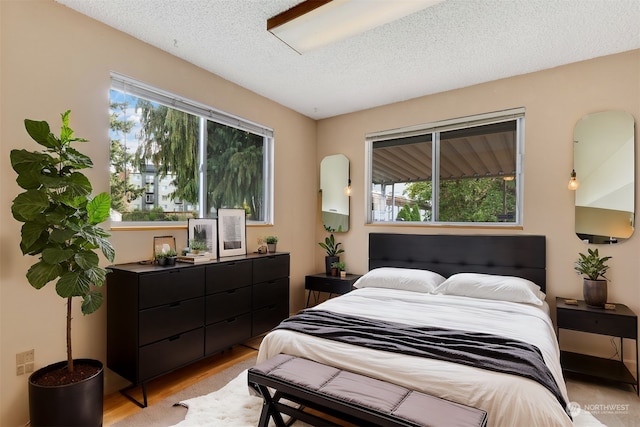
[(29, 166), (41, 133), (87, 259), (96, 275), (97, 237), (99, 208), (42, 273), (31, 232), (91, 302), (56, 255), (73, 284), (77, 159), (28, 205), (36, 247), (62, 235)]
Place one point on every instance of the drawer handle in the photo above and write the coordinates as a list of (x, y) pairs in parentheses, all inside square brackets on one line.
[(231, 291), (230, 264), (233, 319), (174, 271), (174, 304), (175, 337)]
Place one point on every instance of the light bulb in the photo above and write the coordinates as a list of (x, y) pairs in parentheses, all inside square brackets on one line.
[(573, 182)]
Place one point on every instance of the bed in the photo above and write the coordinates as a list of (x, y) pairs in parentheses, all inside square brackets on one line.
[(488, 292)]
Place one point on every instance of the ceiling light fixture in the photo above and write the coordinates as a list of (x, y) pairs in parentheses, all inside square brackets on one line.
[(316, 23)]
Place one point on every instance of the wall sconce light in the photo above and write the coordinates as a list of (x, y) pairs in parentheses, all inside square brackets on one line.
[(347, 189), (573, 182)]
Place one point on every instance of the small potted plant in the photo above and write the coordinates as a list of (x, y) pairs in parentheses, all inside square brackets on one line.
[(594, 267), (167, 257), (196, 245), (271, 242), (338, 267), (332, 248)]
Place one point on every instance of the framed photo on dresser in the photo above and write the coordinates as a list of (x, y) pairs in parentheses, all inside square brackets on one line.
[(204, 230), (232, 232)]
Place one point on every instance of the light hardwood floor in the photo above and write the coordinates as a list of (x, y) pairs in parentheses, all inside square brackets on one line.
[(117, 407)]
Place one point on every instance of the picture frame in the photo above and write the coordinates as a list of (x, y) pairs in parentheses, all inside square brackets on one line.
[(232, 232), (159, 243), (204, 229)]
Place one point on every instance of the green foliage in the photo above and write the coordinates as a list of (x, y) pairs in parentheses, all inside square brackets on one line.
[(156, 214), (168, 254), (463, 200), (271, 239), (170, 142), (122, 192), (339, 265), (592, 265), (197, 245), (60, 217), (409, 213), (330, 246)]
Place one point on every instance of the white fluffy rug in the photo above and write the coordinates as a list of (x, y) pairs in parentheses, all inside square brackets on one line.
[(231, 406), (234, 406)]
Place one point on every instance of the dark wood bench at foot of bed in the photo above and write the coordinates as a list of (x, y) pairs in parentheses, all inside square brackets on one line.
[(348, 396)]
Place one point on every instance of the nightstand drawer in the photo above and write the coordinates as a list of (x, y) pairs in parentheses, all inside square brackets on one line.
[(597, 323)]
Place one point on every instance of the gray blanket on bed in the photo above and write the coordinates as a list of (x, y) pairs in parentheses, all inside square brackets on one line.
[(480, 350)]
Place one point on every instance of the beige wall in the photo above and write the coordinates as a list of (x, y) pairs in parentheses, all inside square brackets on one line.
[(54, 59), (554, 101)]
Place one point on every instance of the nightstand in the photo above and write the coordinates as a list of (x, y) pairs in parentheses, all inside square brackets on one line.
[(322, 282), (620, 322)]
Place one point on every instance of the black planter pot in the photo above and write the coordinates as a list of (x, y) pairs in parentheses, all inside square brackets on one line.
[(594, 292), (328, 260), (74, 405)]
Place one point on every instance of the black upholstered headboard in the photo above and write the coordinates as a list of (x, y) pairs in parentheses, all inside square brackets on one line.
[(447, 254)]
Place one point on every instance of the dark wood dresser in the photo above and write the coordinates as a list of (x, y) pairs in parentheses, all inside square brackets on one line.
[(162, 318)]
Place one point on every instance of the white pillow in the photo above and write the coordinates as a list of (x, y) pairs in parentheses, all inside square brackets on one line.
[(407, 279), (488, 286)]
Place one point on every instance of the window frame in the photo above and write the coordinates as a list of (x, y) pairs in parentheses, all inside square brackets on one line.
[(435, 129), (205, 113)]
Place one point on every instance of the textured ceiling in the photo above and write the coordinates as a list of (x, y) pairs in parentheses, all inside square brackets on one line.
[(451, 45)]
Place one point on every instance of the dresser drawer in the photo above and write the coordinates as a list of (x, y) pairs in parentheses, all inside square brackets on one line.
[(598, 323), (173, 285), (228, 275), (226, 333), (270, 268), (224, 305), (269, 293), (171, 353), (168, 320), (266, 318)]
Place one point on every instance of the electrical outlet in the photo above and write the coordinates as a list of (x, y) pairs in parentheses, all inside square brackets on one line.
[(28, 368), (20, 359), (20, 370), (29, 356)]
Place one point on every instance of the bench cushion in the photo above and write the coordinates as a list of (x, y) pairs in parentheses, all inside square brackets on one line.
[(326, 387)]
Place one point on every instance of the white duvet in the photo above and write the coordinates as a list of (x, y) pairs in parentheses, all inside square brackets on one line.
[(510, 400)]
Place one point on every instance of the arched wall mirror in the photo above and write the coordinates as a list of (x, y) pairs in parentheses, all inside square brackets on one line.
[(334, 185), (604, 163)]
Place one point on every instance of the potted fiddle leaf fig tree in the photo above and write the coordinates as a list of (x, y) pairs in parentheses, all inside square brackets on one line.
[(594, 285), (61, 228)]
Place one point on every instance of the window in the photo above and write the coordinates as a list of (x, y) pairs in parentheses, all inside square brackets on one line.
[(461, 171), (189, 157)]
